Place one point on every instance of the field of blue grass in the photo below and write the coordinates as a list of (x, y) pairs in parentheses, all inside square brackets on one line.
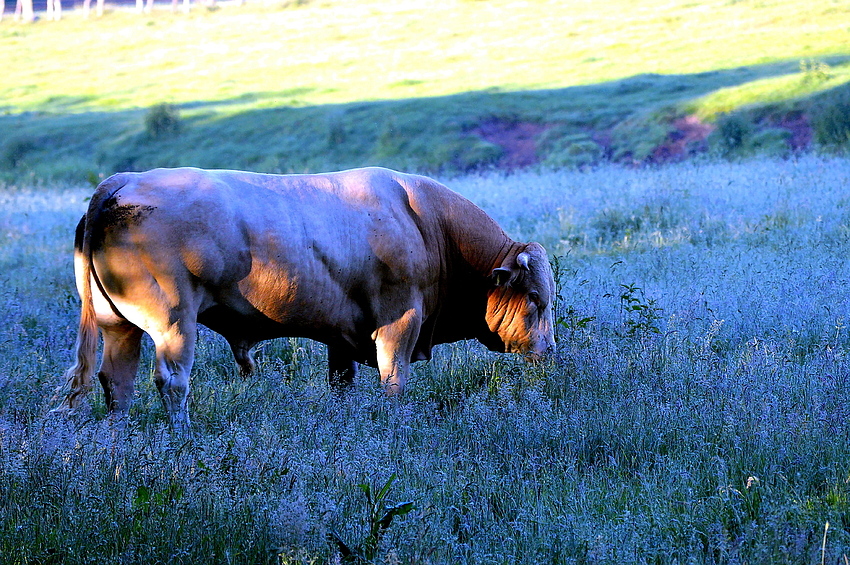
[(697, 409)]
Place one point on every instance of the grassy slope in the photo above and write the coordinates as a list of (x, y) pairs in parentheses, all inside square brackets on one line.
[(724, 437), (335, 84)]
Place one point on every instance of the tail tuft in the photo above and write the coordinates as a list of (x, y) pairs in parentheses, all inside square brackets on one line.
[(78, 377)]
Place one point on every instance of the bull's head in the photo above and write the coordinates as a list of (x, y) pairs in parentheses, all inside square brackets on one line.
[(519, 306)]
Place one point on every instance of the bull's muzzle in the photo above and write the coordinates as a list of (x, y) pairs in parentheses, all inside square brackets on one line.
[(537, 355)]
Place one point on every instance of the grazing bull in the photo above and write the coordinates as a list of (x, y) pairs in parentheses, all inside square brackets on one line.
[(380, 266)]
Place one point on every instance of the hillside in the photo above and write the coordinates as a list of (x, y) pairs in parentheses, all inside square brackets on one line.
[(455, 85)]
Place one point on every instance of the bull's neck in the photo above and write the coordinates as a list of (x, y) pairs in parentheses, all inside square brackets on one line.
[(507, 248), (479, 239)]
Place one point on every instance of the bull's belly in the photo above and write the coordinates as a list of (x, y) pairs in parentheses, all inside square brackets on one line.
[(252, 327)]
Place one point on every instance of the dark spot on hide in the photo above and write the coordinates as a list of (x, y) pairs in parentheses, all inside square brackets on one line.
[(115, 216)]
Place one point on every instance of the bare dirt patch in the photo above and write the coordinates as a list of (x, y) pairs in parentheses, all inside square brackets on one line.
[(518, 140), (687, 139), (798, 125)]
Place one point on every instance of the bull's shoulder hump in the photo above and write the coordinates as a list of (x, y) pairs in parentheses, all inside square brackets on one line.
[(366, 176), (415, 187), (370, 187)]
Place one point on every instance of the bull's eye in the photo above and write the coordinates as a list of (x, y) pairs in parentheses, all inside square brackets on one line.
[(534, 296)]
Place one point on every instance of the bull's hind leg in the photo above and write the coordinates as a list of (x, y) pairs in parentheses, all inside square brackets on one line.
[(175, 352), (117, 374)]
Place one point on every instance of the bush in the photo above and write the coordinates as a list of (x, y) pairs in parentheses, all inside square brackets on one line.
[(636, 138), (831, 120), (745, 135), (732, 133), (771, 141), (162, 121), (564, 149), (814, 71), (467, 153), (13, 151)]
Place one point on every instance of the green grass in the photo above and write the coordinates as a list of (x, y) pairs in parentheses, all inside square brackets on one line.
[(330, 84), (696, 410)]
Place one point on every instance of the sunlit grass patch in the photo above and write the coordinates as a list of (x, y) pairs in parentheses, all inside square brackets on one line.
[(813, 77)]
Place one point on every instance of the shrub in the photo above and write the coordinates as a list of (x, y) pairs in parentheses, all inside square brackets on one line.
[(732, 133), (636, 138), (831, 120), (563, 149), (337, 133), (14, 150), (162, 121), (467, 153), (814, 71), (771, 141)]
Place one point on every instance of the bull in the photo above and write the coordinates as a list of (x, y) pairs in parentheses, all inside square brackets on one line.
[(378, 265)]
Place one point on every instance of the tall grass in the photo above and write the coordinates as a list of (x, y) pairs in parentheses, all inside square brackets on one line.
[(710, 426)]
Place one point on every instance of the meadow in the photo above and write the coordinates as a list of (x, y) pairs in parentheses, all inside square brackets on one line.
[(696, 411), (435, 86)]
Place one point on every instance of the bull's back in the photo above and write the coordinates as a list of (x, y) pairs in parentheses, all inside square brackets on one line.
[(314, 250), (334, 249)]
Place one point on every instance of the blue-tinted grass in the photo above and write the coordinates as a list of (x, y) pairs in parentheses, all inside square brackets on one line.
[(709, 425)]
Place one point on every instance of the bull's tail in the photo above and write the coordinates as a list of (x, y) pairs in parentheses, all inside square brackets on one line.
[(78, 378)]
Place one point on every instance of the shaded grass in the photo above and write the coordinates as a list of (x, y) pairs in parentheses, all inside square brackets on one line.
[(720, 438), (426, 134)]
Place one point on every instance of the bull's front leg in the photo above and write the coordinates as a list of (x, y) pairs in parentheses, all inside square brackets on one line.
[(394, 343), (242, 354)]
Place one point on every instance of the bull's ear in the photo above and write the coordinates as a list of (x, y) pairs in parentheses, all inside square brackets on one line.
[(501, 276)]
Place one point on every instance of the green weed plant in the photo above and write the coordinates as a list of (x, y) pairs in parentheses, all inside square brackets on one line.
[(380, 517)]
